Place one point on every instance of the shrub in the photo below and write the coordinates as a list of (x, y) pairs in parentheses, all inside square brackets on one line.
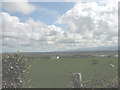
[(14, 70), (98, 81)]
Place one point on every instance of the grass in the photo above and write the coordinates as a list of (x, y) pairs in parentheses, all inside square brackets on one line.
[(55, 73)]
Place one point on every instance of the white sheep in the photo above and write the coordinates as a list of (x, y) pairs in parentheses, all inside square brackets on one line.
[(58, 57), (111, 65)]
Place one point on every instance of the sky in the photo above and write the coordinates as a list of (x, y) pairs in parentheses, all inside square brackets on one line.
[(58, 26)]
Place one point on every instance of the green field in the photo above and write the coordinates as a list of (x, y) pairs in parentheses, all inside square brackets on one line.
[(53, 73)]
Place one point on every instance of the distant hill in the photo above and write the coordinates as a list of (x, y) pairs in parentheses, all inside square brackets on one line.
[(110, 48)]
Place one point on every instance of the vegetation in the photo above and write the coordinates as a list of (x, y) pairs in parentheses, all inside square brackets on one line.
[(53, 73), (14, 70), (47, 72), (99, 80)]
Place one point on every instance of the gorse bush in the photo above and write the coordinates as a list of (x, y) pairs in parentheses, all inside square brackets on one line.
[(14, 70)]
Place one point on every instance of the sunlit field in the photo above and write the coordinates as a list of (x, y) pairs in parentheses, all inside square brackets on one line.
[(47, 72)]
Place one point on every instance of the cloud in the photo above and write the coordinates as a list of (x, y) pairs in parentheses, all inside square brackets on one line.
[(31, 34), (89, 25), (21, 7), (92, 24)]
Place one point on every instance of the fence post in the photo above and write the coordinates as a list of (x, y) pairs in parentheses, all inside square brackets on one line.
[(77, 80)]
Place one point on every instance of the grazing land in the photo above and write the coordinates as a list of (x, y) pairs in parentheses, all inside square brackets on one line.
[(47, 71)]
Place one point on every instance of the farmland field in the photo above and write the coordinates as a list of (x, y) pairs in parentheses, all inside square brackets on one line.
[(47, 72)]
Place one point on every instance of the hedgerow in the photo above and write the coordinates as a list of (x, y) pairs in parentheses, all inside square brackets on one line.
[(14, 70)]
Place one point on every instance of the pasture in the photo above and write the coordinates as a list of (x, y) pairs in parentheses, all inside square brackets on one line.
[(55, 73)]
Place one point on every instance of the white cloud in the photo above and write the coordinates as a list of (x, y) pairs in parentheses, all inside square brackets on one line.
[(21, 7), (90, 25), (31, 34)]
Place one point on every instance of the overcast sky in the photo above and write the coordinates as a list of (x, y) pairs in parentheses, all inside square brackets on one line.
[(58, 26)]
